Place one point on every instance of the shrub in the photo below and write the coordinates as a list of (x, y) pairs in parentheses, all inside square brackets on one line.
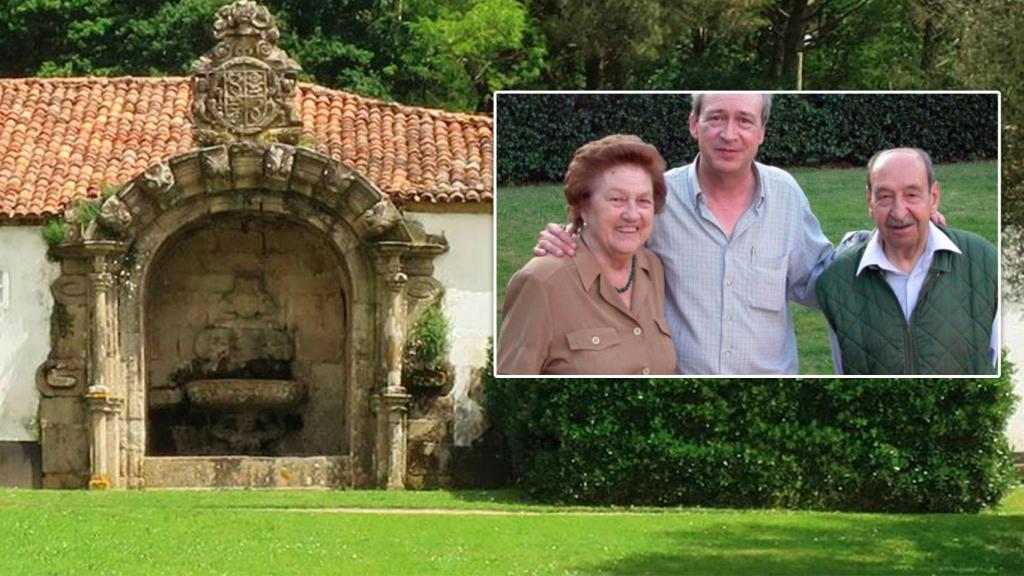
[(538, 133), (54, 231), (870, 445), (425, 359), (87, 211), (430, 337)]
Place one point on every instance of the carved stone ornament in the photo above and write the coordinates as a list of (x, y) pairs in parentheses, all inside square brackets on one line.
[(115, 216), (245, 88), (60, 375), (57, 377), (424, 288), (74, 227), (380, 218), (158, 179), (216, 163), (337, 178), (277, 162)]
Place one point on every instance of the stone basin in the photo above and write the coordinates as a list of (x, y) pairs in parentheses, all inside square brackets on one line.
[(245, 394)]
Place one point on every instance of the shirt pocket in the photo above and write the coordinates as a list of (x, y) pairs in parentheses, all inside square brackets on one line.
[(663, 326), (592, 339), (768, 283)]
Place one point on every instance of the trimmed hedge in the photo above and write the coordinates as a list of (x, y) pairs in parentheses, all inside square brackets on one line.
[(870, 445), (537, 133)]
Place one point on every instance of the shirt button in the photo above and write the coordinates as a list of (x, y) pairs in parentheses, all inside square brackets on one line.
[(646, 371), (728, 353), (637, 331), (595, 340), (728, 282), (729, 317)]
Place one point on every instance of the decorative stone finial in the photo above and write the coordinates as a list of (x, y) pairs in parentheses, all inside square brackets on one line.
[(244, 90)]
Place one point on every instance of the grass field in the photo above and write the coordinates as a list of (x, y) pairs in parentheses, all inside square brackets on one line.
[(969, 200), (255, 532)]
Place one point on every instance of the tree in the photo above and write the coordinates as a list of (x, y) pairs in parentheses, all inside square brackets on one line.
[(51, 34), (600, 41), (710, 44), (800, 26), (877, 50), (989, 57), (468, 49)]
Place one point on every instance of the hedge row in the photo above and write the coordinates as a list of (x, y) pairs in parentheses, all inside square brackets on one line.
[(869, 445), (538, 133)]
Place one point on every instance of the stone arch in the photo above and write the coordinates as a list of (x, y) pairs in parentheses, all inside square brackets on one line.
[(378, 251)]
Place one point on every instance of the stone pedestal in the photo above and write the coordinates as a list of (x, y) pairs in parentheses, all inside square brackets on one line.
[(394, 411), (104, 457)]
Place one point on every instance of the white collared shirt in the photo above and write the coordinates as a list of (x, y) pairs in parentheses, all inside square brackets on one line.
[(907, 287)]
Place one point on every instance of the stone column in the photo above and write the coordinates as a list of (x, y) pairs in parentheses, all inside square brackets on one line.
[(394, 399), (102, 283), (105, 392), (397, 406), (103, 458), (394, 329)]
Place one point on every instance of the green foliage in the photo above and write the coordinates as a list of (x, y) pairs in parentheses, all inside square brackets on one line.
[(925, 445), (55, 230), (890, 45), (196, 369), (458, 56), (87, 211), (309, 142), (454, 52), (451, 54), (429, 343), (107, 190), (709, 45), (989, 56), (604, 40), (539, 133)]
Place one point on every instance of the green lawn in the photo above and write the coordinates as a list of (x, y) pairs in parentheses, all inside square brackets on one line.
[(969, 201), (256, 532)]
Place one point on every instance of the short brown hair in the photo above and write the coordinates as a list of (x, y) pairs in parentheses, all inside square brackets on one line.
[(594, 158)]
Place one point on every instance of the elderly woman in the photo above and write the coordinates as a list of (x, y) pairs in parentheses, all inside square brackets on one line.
[(601, 311)]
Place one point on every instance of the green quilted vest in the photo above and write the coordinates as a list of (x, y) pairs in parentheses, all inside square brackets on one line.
[(949, 329)]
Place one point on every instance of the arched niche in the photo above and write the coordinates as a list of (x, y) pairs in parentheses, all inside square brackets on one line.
[(211, 204), (259, 303)]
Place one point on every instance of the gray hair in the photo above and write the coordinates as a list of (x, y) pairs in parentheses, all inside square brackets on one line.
[(924, 156), (697, 102)]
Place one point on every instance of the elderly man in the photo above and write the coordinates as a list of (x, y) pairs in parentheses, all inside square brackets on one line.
[(914, 298), (738, 240)]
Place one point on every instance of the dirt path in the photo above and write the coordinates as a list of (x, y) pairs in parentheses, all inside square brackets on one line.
[(454, 512)]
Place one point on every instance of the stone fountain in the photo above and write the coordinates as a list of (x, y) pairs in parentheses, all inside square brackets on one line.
[(237, 394)]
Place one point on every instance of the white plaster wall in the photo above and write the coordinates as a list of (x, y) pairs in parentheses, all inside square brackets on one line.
[(466, 271), (1013, 339), (24, 328)]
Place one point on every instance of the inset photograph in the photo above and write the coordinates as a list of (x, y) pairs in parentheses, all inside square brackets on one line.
[(747, 234)]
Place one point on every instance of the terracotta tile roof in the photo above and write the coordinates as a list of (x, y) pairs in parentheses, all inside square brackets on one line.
[(61, 139)]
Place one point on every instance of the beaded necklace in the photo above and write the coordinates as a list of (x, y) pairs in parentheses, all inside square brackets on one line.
[(632, 271)]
